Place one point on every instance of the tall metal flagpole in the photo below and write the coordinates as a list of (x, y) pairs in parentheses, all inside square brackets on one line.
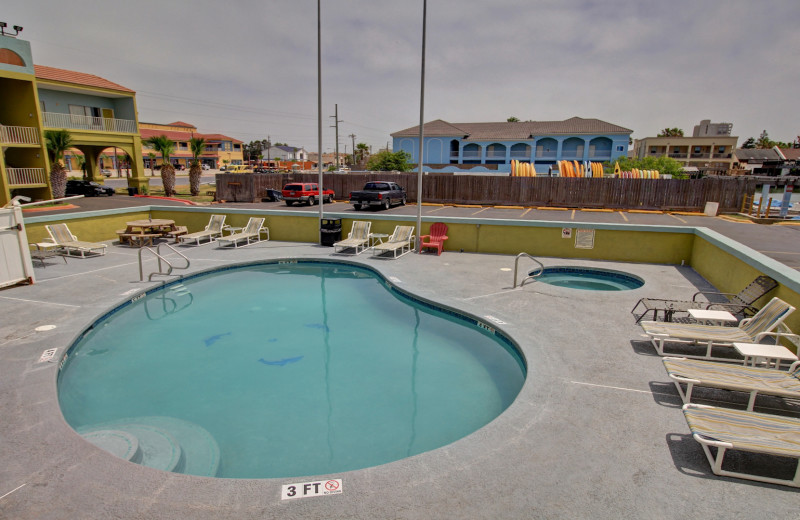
[(319, 114), (421, 121)]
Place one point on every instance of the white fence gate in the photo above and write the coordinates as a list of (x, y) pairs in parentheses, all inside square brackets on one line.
[(15, 258)]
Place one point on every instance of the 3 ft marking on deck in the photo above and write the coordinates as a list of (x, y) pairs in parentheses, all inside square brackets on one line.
[(312, 489)]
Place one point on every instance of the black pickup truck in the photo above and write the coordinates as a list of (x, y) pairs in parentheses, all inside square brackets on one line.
[(378, 193)]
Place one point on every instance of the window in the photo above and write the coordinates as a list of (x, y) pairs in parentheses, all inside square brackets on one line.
[(620, 148), (721, 149), (652, 150), (696, 149)]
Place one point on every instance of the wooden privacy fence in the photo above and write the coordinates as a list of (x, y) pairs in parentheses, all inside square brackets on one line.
[(610, 193)]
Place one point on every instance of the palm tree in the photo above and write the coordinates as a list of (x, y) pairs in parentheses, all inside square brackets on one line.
[(198, 146), (361, 152), (127, 158), (152, 157), (58, 142), (165, 146)]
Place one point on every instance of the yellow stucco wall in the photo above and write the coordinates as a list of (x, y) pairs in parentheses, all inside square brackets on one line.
[(731, 274)]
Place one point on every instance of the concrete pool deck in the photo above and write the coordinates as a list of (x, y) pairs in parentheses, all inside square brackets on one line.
[(596, 431)]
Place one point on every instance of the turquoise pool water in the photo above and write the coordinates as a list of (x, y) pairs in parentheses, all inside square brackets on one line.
[(279, 370), (589, 279)]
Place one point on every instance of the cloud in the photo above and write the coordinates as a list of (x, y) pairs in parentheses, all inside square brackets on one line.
[(249, 69)]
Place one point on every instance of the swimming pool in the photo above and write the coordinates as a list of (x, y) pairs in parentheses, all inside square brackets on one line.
[(285, 369), (588, 279)]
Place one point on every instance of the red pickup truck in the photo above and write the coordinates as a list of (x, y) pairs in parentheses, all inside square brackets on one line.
[(306, 192)]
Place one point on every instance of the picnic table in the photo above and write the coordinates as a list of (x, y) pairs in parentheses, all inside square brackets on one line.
[(140, 233)]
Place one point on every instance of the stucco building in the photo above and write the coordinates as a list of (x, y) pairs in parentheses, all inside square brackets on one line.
[(490, 147), (711, 146), (98, 113), (220, 149)]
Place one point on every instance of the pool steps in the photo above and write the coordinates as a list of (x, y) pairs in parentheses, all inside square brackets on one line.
[(164, 443)]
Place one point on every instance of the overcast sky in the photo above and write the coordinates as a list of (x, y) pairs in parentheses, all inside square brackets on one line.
[(248, 68)]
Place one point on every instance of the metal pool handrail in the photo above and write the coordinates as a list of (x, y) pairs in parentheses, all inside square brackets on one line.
[(534, 275), (157, 253)]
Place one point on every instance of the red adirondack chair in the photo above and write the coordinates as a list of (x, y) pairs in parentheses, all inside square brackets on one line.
[(436, 238)]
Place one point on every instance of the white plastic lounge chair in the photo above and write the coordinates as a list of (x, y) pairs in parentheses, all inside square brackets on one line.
[(357, 240), (249, 235), (211, 232), (750, 380), (69, 243), (726, 429), (400, 241), (749, 330)]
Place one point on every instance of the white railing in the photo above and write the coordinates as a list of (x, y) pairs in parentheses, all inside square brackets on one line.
[(56, 120), (25, 176), (19, 134)]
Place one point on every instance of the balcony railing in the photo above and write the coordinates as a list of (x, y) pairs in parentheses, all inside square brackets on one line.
[(679, 155), (103, 124), (520, 155), (722, 156), (490, 154), (572, 154), (545, 155), (704, 155), (600, 155), (467, 154), (19, 135), (25, 176)]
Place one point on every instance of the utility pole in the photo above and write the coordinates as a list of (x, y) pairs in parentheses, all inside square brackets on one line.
[(353, 137), (336, 125), (269, 145)]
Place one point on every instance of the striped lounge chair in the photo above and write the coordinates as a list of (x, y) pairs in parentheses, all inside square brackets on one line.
[(357, 240), (211, 232), (749, 380), (724, 429), (249, 235), (400, 242), (69, 243), (749, 330)]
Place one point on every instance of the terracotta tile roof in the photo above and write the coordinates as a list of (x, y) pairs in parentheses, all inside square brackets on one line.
[(177, 135), (509, 131), (76, 78), (220, 137)]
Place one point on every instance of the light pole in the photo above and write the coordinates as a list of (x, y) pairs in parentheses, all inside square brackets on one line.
[(421, 133), (319, 114)]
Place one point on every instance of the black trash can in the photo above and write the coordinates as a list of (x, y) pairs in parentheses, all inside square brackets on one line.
[(330, 231), (133, 191)]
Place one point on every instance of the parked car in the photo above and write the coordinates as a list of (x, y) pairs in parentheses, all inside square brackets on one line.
[(223, 168), (274, 195), (306, 192), (105, 173), (382, 194), (206, 167), (238, 168), (87, 189)]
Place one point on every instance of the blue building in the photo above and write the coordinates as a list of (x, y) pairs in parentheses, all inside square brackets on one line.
[(490, 147)]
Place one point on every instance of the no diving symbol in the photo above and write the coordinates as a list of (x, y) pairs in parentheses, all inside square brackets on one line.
[(331, 485)]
